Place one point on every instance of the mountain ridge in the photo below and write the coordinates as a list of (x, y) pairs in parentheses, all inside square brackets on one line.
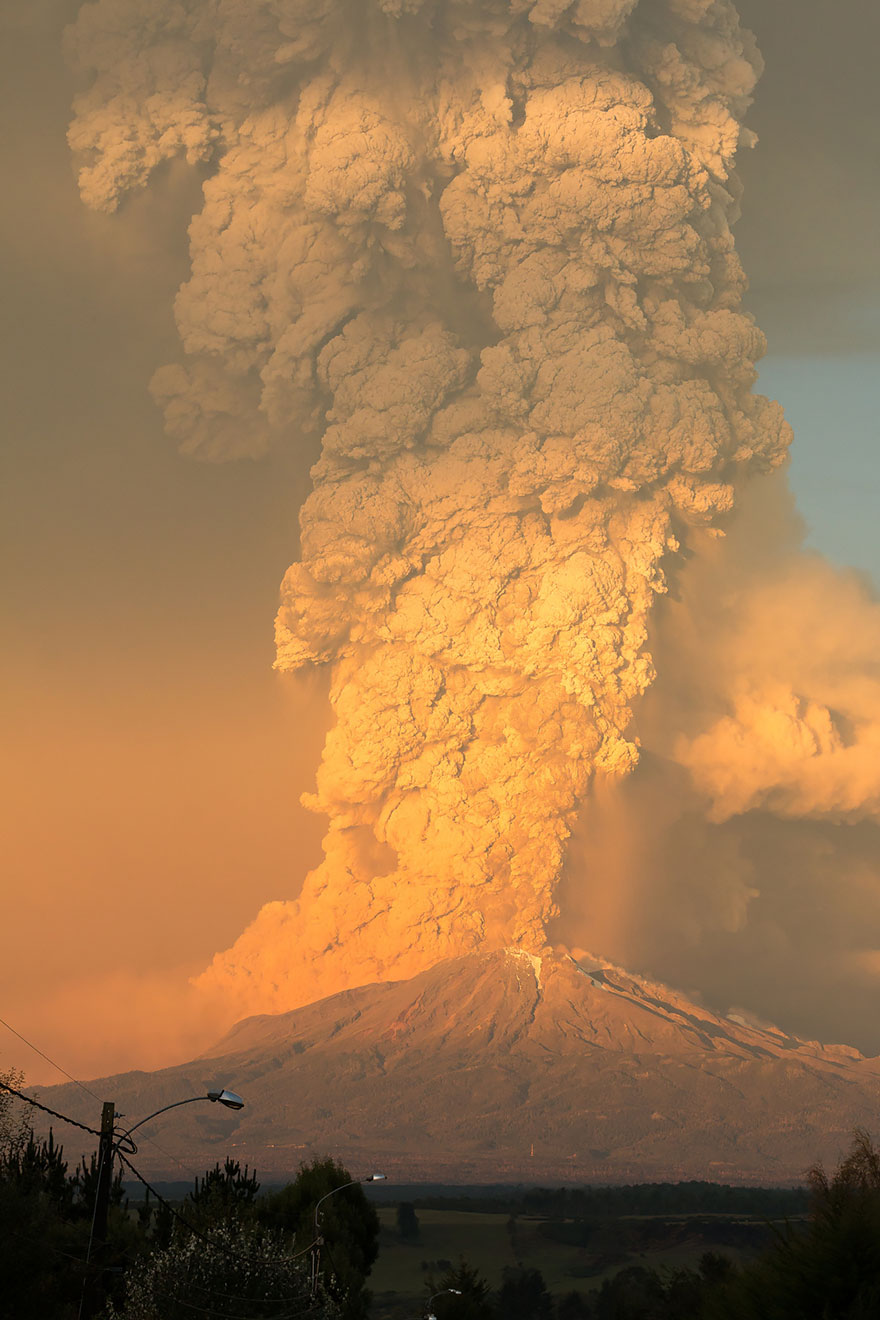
[(506, 1066)]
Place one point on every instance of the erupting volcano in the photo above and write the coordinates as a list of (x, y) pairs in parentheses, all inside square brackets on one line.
[(484, 248), (475, 258)]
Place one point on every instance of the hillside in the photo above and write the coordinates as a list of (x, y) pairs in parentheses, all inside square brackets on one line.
[(503, 1066)]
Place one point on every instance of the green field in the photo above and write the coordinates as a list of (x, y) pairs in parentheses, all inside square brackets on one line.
[(570, 1254)]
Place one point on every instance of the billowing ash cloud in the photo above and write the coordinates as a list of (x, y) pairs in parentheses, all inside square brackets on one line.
[(483, 249), (741, 855)]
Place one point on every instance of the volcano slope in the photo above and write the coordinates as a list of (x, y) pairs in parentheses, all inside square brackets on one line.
[(502, 1066)]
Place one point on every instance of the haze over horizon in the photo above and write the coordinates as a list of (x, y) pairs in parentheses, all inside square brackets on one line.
[(157, 761)]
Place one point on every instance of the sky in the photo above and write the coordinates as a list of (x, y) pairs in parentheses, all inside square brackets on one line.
[(807, 240), (153, 760)]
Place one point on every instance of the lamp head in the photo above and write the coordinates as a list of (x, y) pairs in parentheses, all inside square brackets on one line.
[(374, 1177), (227, 1098)]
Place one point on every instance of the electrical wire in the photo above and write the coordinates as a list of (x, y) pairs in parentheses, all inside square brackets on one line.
[(239, 1297), (234, 1255), (231, 1315), (44, 1246), (53, 1113), (331, 1260), (167, 1153), (43, 1055), (30, 1044), (140, 1177)]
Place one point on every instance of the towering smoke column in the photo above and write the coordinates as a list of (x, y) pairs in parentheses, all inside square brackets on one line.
[(483, 248)]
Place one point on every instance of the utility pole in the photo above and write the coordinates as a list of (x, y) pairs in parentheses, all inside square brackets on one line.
[(105, 1174), (91, 1295)]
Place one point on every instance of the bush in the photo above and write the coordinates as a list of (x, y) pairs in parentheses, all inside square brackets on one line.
[(225, 1272)]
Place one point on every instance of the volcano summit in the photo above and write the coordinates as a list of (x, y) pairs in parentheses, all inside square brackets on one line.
[(508, 1066)]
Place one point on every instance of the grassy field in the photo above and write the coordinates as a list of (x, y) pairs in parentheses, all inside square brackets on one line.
[(445, 1235), (490, 1242)]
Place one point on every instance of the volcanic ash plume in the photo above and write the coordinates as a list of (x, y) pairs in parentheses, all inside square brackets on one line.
[(483, 249)]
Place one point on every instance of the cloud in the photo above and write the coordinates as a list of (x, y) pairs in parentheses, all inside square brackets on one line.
[(776, 700), (484, 251)]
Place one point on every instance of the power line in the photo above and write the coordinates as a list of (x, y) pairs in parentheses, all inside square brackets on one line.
[(46, 1110), (43, 1055), (231, 1315), (233, 1255), (218, 1246), (84, 1127), (53, 1113), (168, 1154), (44, 1246), (30, 1044)]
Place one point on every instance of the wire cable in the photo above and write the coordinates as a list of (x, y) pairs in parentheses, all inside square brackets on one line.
[(239, 1297), (234, 1255), (53, 1113), (84, 1127), (169, 1155), (231, 1315), (44, 1246), (162, 1201), (30, 1044), (43, 1055)]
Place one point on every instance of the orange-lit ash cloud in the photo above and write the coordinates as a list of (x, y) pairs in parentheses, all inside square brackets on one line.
[(484, 249)]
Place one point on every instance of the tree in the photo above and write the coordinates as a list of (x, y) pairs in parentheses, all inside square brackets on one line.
[(407, 1221), (223, 1195), (829, 1267), (634, 1293), (573, 1306), (39, 1168), (226, 1271), (14, 1128), (348, 1225), (523, 1295), (474, 1302), (45, 1219)]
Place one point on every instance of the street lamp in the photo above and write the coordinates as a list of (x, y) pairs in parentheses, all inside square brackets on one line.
[(429, 1314), (227, 1098), (316, 1246), (112, 1141)]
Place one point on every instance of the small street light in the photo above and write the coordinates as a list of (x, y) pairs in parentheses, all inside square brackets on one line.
[(429, 1314), (317, 1244)]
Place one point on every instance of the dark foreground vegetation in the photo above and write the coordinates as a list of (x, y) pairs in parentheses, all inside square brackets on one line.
[(228, 1251)]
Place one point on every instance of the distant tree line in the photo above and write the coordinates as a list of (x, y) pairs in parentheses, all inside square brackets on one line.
[(825, 1267), (680, 1198)]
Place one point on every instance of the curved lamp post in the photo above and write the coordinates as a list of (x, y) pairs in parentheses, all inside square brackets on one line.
[(316, 1248), (110, 1142), (429, 1314), (227, 1098)]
